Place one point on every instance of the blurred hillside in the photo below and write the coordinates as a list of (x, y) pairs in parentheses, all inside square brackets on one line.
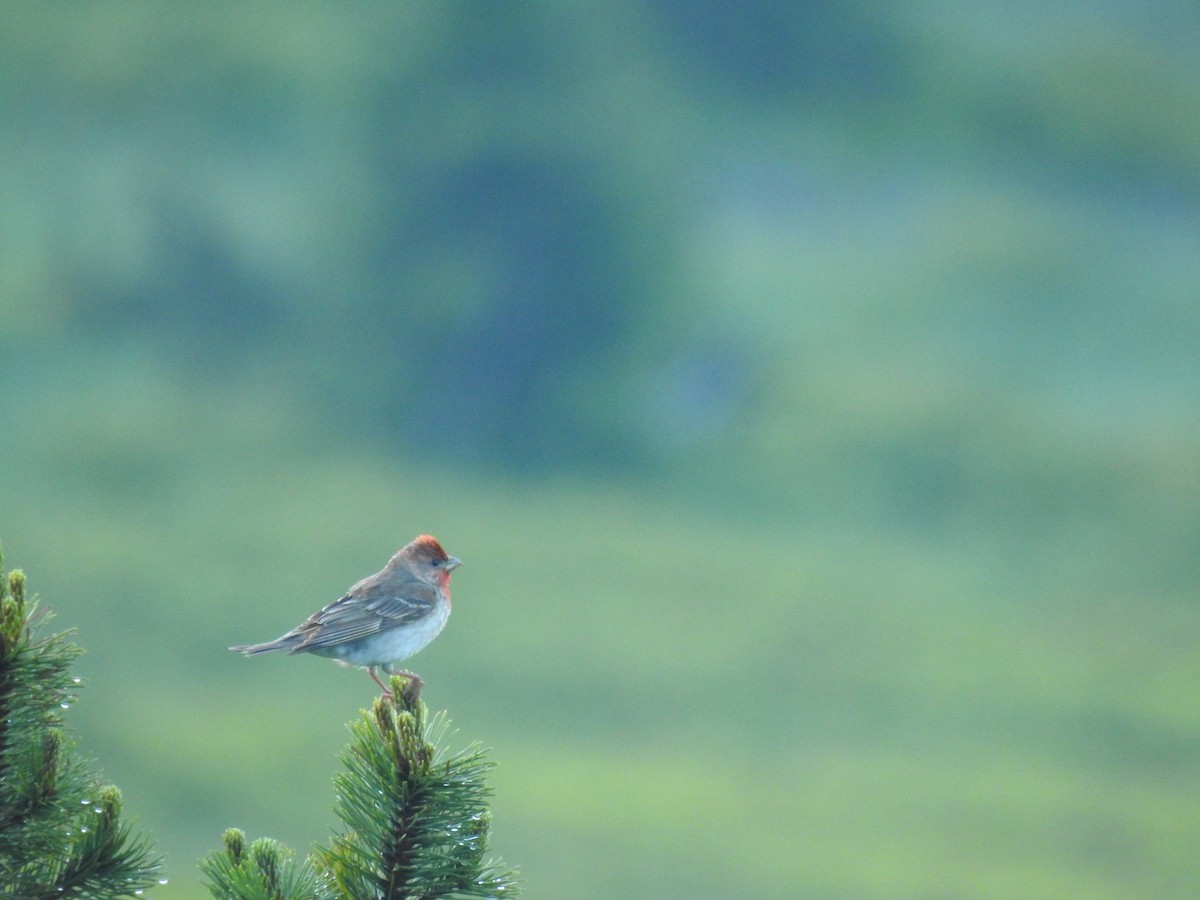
[(811, 391)]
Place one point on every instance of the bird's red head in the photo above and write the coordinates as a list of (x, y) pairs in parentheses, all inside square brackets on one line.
[(426, 547), (425, 553)]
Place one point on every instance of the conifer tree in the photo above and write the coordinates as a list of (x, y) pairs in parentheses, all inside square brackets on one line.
[(415, 822), (61, 832)]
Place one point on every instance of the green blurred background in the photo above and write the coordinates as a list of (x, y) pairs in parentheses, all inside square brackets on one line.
[(811, 391)]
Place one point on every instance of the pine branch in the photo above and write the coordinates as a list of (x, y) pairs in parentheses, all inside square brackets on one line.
[(61, 834), (269, 871), (415, 816)]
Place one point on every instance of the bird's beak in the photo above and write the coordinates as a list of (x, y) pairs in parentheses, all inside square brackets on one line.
[(452, 563)]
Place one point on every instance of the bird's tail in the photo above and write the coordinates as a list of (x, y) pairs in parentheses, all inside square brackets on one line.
[(253, 649)]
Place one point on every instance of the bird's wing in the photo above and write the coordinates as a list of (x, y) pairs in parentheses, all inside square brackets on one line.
[(367, 609)]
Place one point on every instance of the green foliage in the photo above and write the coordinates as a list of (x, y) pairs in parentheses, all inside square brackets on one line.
[(61, 832), (269, 871), (415, 816)]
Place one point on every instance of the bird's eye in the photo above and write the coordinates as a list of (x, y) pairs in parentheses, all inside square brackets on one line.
[(435, 562)]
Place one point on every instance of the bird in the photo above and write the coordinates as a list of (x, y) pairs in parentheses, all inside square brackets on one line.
[(383, 619)]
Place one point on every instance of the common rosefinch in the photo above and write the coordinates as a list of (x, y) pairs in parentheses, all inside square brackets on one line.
[(383, 619)]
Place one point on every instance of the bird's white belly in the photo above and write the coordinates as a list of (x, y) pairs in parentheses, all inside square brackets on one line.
[(392, 645)]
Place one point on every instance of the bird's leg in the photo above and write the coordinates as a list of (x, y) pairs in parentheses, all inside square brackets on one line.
[(387, 693)]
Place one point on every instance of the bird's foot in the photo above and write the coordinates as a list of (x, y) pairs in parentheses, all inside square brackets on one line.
[(409, 693)]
